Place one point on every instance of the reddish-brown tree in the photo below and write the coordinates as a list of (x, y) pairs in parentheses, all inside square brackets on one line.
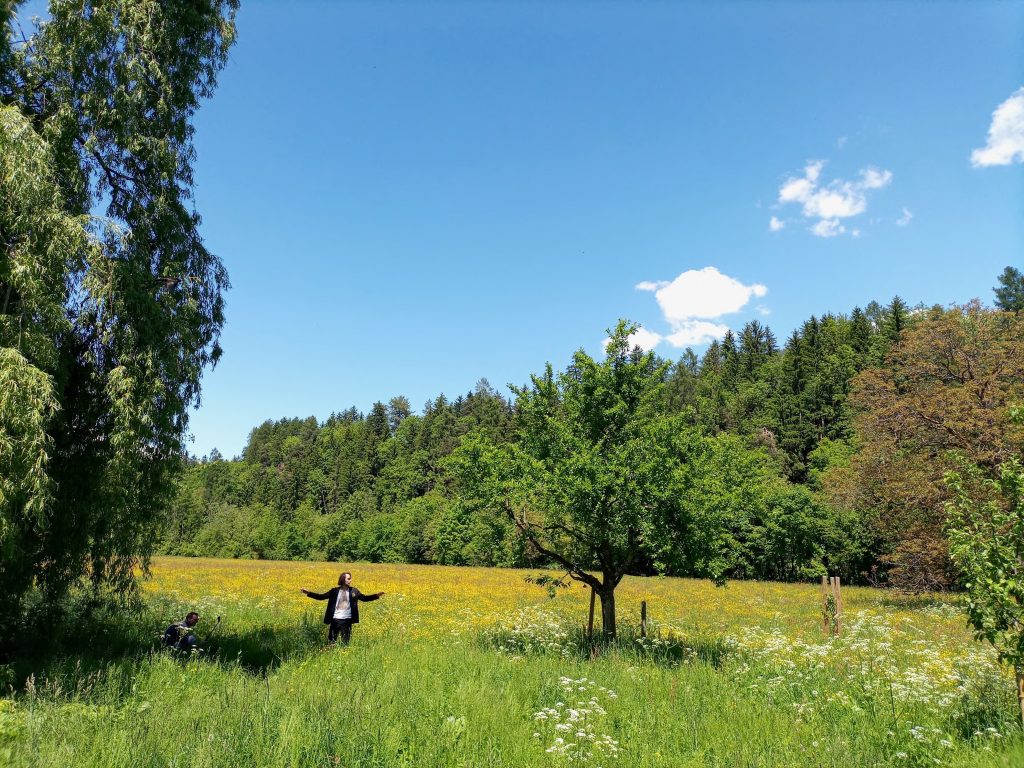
[(944, 391)]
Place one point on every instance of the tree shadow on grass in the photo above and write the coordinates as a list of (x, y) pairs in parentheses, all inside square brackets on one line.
[(906, 601), (662, 649), (261, 648), (76, 652)]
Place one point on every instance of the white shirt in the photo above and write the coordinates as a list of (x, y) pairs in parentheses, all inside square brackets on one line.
[(343, 608)]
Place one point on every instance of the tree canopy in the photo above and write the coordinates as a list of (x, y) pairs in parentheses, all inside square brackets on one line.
[(110, 304), (595, 480), (793, 458), (942, 393), (1010, 291), (986, 541)]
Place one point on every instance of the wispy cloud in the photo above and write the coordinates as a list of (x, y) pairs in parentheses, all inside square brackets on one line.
[(1005, 135), (824, 206), (828, 228), (775, 224), (648, 285), (693, 302), (903, 220)]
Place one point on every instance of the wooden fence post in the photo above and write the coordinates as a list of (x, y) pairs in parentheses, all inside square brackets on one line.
[(824, 605), (1020, 691), (643, 618), (590, 622), (837, 591), (831, 605)]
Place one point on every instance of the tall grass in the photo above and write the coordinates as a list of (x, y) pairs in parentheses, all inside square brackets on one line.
[(468, 668)]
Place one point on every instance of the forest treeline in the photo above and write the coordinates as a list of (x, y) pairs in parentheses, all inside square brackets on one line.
[(824, 453)]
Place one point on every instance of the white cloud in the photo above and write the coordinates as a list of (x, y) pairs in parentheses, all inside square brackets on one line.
[(1005, 135), (693, 332), (903, 220), (799, 189), (838, 199), (872, 178), (840, 202), (776, 224), (645, 339), (693, 302), (704, 293), (828, 228)]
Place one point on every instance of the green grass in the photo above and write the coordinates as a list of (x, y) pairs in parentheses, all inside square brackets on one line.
[(268, 693)]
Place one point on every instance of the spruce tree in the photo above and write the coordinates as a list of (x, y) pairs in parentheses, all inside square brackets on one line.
[(1010, 292), (897, 316)]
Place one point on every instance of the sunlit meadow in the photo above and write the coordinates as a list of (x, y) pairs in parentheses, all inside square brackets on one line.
[(480, 667)]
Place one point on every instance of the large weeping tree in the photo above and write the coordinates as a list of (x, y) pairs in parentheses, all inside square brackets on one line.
[(110, 304), (599, 480)]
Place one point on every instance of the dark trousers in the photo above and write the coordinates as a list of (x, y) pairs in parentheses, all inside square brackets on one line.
[(340, 628)]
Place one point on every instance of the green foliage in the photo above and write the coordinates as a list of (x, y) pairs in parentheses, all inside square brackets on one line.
[(986, 541), (829, 455), (1010, 293), (403, 497), (596, 480), (734, 687), (550, 584), (356, 487), (106, 323), (762, 439)]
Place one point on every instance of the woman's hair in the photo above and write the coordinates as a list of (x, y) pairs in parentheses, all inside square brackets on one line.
[(341, 579)]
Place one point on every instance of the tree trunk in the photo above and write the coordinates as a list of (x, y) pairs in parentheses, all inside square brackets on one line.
[(608, 611), (1020, 692)]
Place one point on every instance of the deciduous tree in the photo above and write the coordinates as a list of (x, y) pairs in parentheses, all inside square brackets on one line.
[(595, 483), (106, 323), (946, 387), (986, 541)]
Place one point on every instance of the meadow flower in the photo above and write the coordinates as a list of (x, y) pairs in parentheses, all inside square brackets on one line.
[(580, 720), (919, 662)]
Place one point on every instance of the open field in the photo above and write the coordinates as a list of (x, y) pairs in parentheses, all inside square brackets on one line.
[(476, 667)]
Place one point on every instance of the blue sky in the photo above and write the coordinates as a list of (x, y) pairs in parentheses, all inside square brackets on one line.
[(412, 196)]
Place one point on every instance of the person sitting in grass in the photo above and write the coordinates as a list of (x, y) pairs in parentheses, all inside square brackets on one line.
[(180, 636), (342, 607)]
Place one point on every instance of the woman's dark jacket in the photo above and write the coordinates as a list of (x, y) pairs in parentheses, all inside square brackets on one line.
[(331, 596)]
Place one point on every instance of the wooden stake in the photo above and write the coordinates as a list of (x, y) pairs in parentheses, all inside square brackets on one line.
[(837, 596), (839, 602), (1020, 692), (643, 618), (590, 622), (824, 606)]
